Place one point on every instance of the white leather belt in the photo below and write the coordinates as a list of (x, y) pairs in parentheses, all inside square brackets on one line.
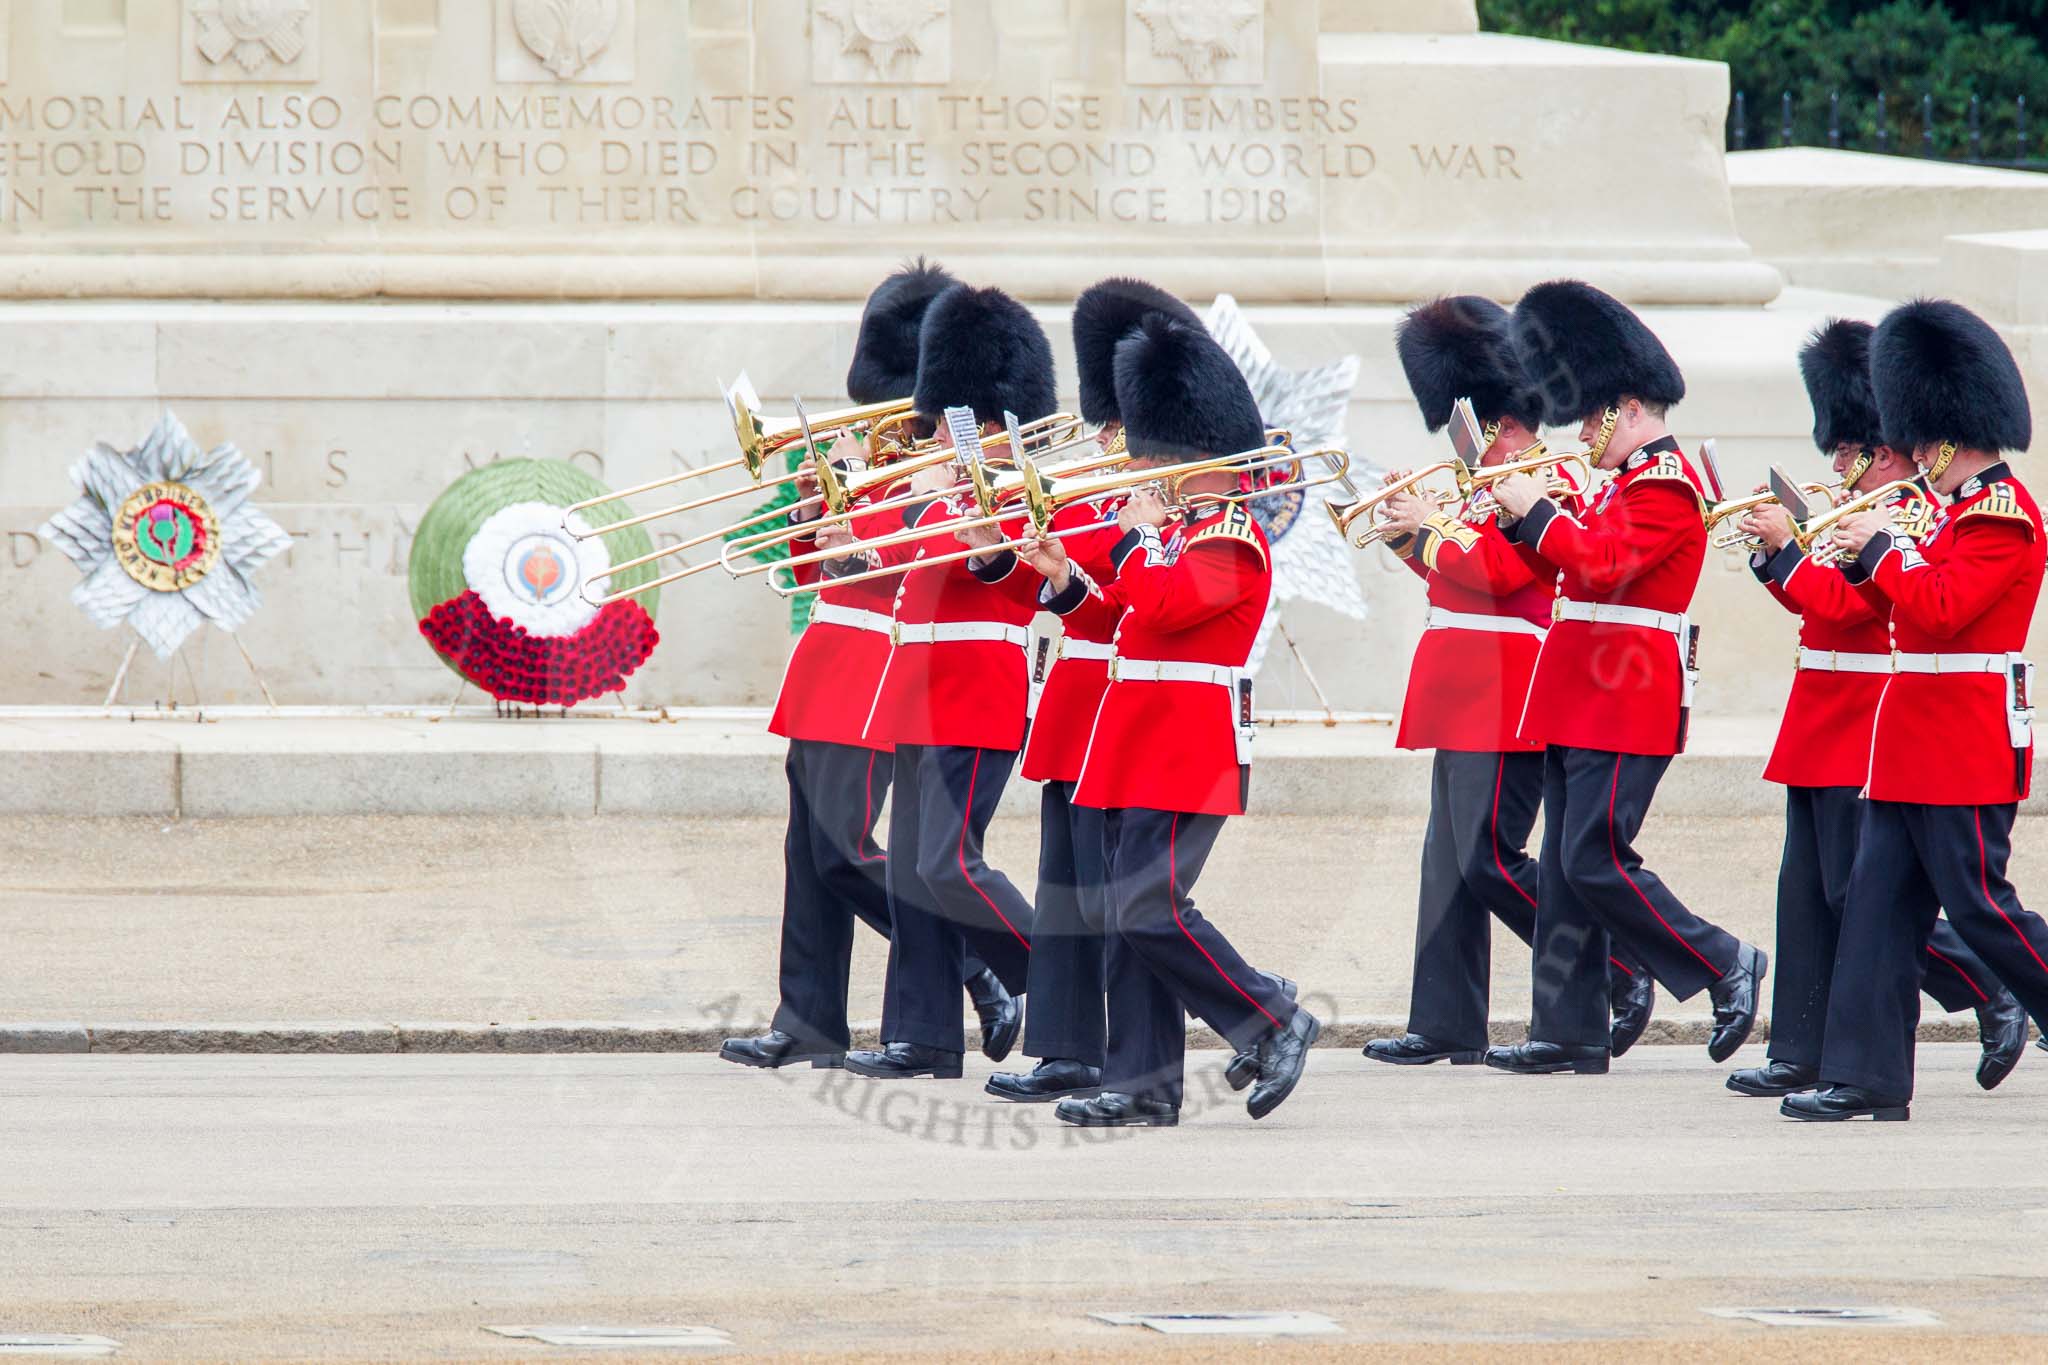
[(946, 632), (833, 615), (1839, 661), (1070, 648), (1613, 613), (1441, 619), (1172, 670), (1950, 663)]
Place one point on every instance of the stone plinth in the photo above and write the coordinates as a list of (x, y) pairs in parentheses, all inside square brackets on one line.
[(1290, 149), (1871, 224)]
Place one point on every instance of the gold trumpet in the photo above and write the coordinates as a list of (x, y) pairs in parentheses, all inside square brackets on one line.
[(1043, 496), (1735, 508), (1347, 514), (1813, 537), (1536, 459)]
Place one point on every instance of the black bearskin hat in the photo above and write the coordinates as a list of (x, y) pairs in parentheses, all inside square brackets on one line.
[(1585, 351), (1458, 347), (981, 349), (1835, 363), (1181, 395), (1942, 374), (885, 352), (1103, 316)]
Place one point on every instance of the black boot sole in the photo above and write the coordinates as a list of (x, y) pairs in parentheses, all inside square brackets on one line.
[(1890, 1113), (1241, 1070), (1576, 1066), (1991, 1080), (1454, 1058), (1081, 1092), (937, 1073), (997, 1047), (1771, 1092), (820, 1061), (1135, 1121)]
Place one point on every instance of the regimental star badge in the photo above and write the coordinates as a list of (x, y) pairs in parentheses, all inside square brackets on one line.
[(1199, 34), (165, 537), (566, 35), (880, 31), (1310, 560), (253, 32)]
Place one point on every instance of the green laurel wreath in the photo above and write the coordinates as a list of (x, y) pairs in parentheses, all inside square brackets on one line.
[(785, 494)]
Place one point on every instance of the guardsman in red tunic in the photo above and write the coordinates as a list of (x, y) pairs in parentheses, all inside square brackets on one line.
[(1952, 750), (1823, 750), (1168, 757), (833, 871), (1488, 613), (1065, 1024), (1611, 691), (951, 700)]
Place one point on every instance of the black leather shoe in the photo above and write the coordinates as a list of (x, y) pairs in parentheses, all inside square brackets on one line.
[(1631, 999), (1412, 1049), (1773, 1079), (1052, 1079), (1834, 1103), (903, 1061), (1735, 996), (2042, 1042), (1243, 1067), (1281, 1057), (775, 1048), (1548, 1059), (1001, 1016), (2002, 1028), (1113, 1110)]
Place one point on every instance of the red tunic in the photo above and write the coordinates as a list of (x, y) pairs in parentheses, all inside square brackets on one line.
[(1968, 587), (828, 687), (1824, 735), (1467, 684), (1640, 543), (965, 693), (1173, 745), (1058, 743)]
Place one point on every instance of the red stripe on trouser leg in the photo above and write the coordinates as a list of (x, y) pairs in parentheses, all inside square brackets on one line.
[(1614, 851), (1173, 895), (1620, 966), (866, 834), (1493, 834), (1951, 964), (1984, 881), (966, 819)]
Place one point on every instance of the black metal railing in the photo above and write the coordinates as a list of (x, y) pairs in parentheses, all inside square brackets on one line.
[(1980, 133)]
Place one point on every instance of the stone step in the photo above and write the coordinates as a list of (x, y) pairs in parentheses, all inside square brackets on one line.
[(710, 763)]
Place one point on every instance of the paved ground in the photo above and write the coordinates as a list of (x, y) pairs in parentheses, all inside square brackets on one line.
[(503, 920), (660, 923), (373, 1208)]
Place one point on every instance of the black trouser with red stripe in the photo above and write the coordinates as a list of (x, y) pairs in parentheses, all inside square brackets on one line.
[(1065, 1015), (1912, 861), (1596, 896), (1821, 826), (833, 873), (945, 901), (1164, 957)]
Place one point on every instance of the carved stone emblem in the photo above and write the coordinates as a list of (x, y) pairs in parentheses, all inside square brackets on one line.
[(253, 33), (1202, 36), (566, 35), (893, 41)]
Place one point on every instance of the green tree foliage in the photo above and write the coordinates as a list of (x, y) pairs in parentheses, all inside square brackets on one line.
[(1903, 48)]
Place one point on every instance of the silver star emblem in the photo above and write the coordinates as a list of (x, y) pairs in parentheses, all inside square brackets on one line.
[(1311, 561), (165, 537)]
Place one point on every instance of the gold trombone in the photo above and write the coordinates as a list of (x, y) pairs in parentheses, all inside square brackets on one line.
[(1043, 496)]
